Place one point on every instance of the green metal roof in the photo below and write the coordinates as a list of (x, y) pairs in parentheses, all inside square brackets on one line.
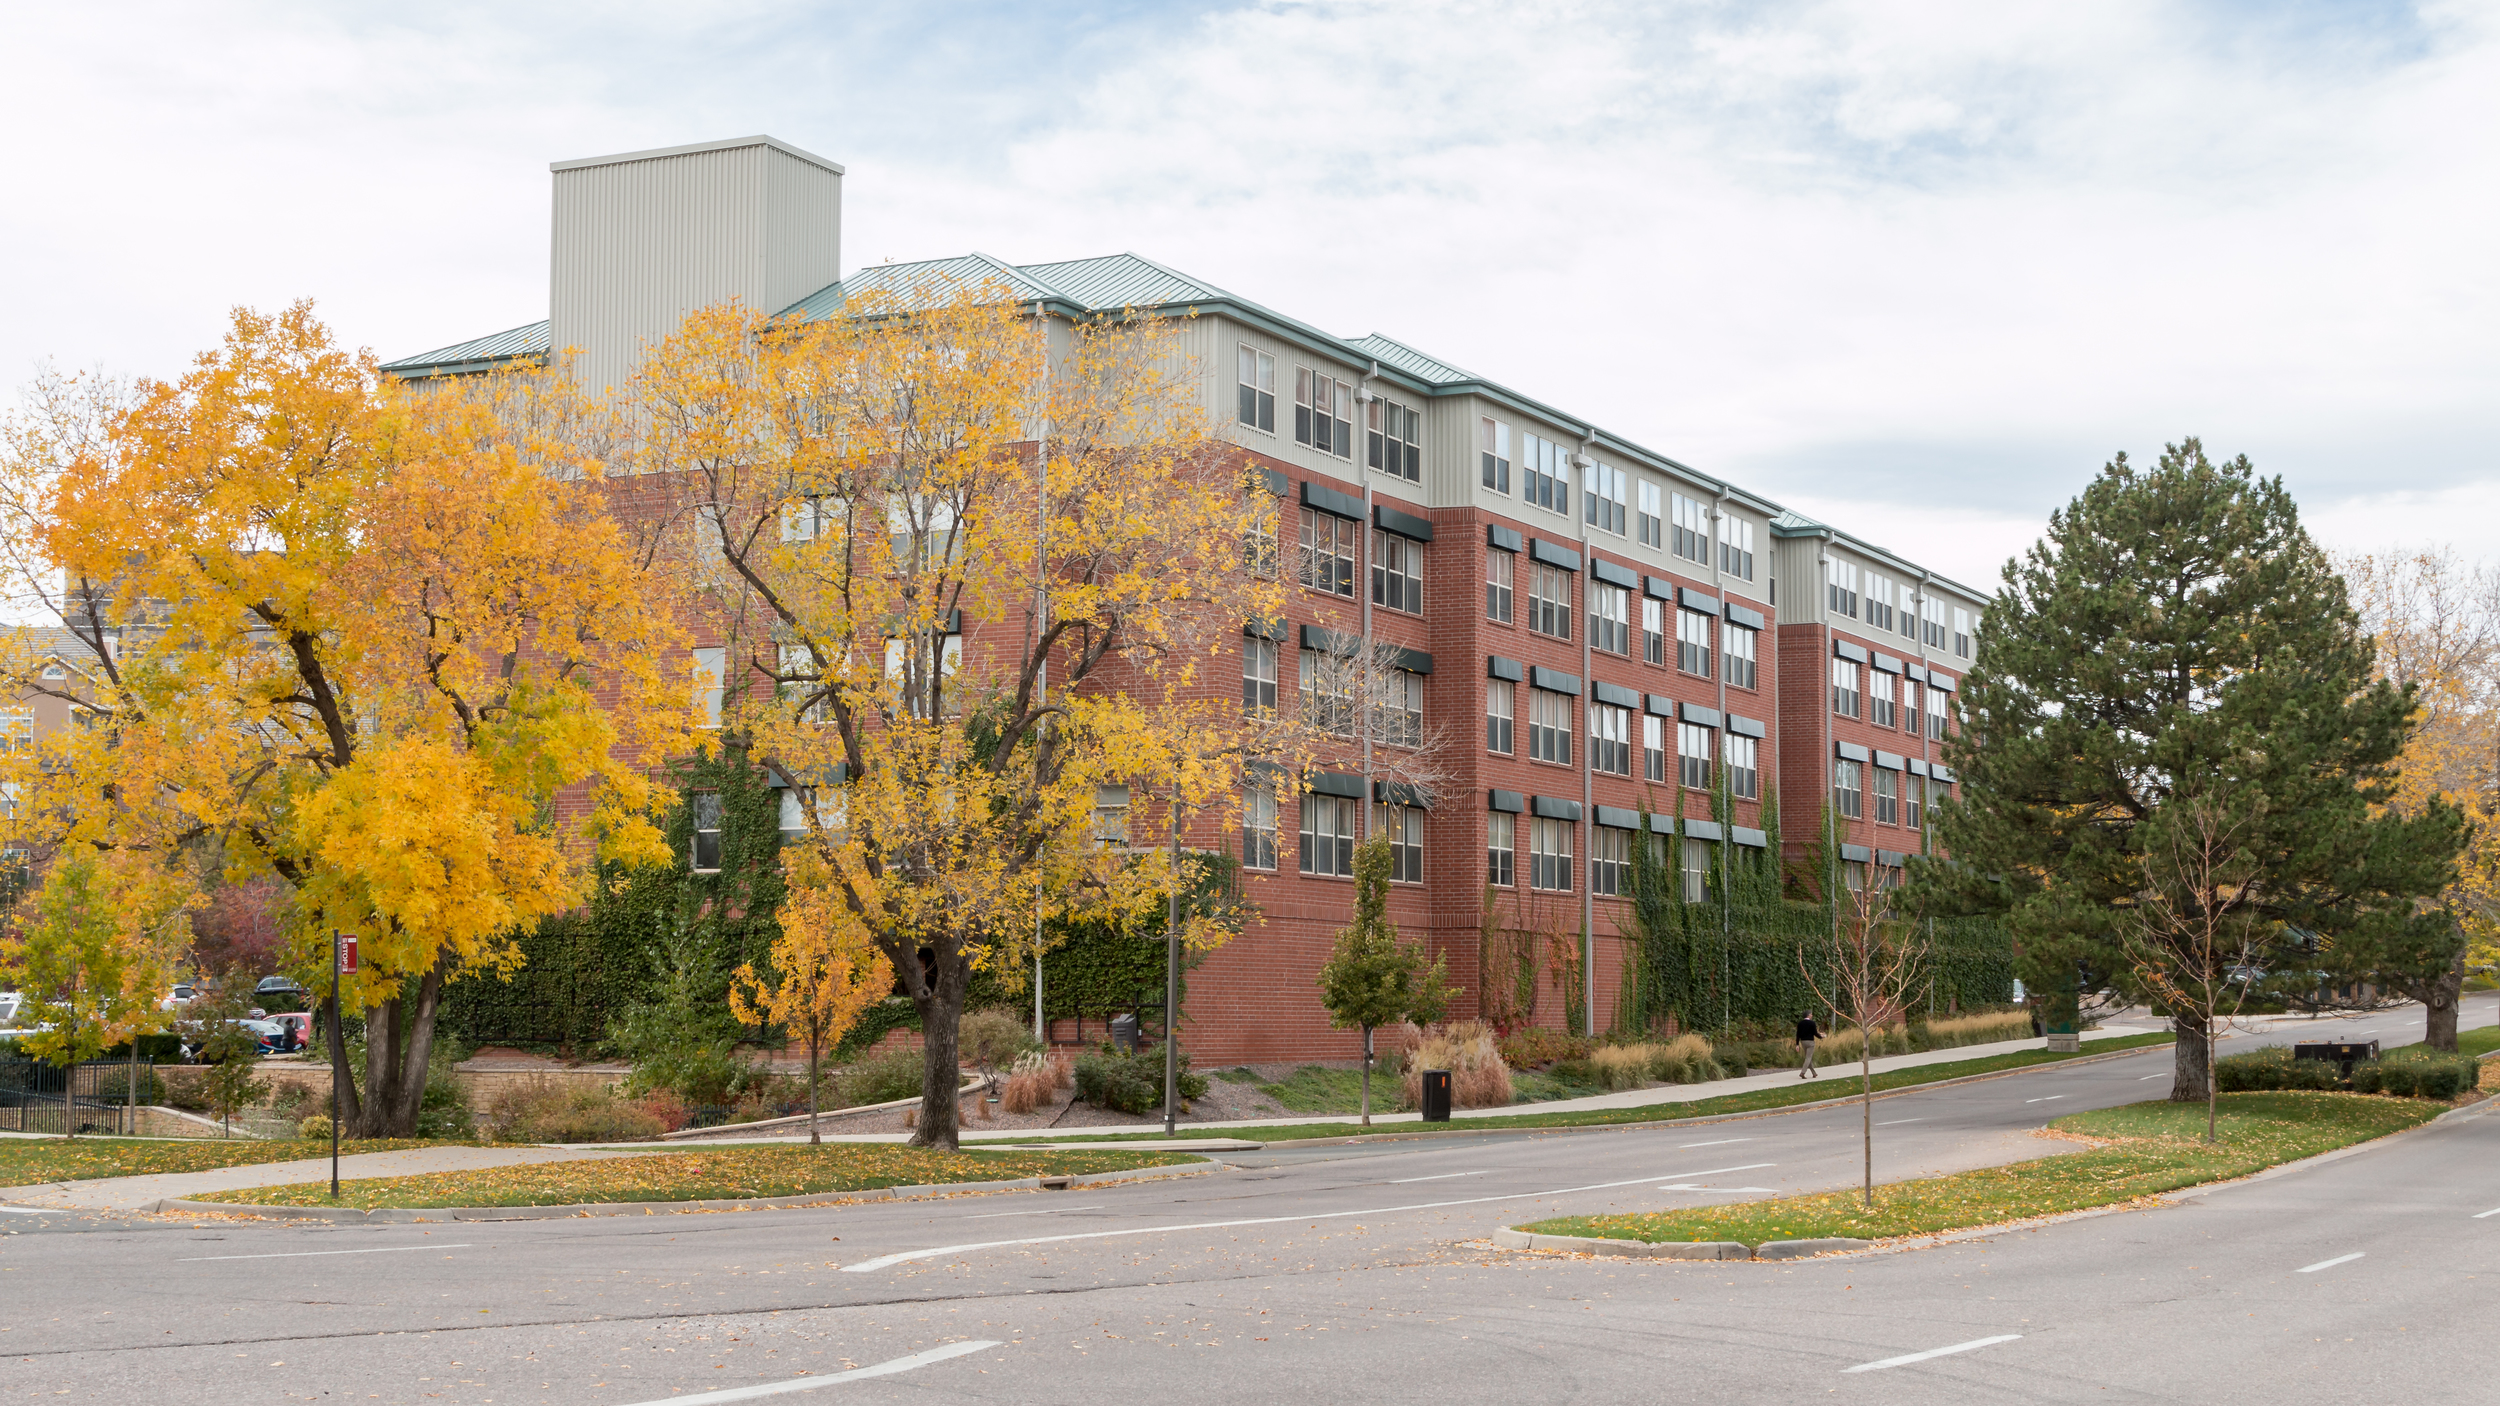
[(527, 342)]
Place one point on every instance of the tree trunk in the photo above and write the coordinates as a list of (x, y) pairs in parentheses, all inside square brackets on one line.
[(941, 1006), (1367, 1076), (2439, 1005), (2191, 1074), (398, 1042), (815, 1043), (1866, 1106)]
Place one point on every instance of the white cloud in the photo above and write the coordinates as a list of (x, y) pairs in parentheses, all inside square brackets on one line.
[(1922, 266)]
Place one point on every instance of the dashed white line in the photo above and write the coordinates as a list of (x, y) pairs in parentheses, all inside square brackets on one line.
[(1683, 1146), (2488, 1214), (31, 1210), (1053, 1211), (307, 1254), (2330, 1264), (2051, 1098), (881, 1369), (883, 1261), (1901, 1120), (1909, 1357), (2162, 1075), (1445, 1176)]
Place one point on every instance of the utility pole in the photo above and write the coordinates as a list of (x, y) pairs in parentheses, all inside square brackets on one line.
[(1172, 979)]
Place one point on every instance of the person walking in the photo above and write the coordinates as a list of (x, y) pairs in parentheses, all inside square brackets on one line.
[(1806, 1036)]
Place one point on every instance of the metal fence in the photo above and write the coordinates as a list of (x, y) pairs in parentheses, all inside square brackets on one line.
[(37, 1097)]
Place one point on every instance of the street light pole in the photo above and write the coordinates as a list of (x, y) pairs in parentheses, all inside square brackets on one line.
[(1172, 978)]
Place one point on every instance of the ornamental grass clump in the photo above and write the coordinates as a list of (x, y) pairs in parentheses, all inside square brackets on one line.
[(1469, 1050), (1030, 1084)]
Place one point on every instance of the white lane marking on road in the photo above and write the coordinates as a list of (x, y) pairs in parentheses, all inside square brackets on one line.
[(1684, 1146), (881, 1369), (1901, 1120), (1055, 1210), (306, 1254), (1445, 1176), (30, 1210), (2330, 1264), (2052, 1098), (1730, 1190), (1907, 1358), (2162, 1075), (882, 1261), (2488, 1214)]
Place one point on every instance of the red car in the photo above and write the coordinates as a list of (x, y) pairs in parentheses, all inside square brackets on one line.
[(298, 1029)]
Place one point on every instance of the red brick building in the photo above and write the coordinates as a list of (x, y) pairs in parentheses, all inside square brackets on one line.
[(1595, 629)]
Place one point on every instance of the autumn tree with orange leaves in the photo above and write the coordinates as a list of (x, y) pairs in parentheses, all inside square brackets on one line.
[(383, 642), (969, 577)]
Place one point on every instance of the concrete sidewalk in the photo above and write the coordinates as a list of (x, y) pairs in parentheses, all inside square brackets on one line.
[(131, 1193)]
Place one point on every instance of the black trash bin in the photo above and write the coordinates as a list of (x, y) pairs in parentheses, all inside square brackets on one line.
[(1124, 1033), (1436, 1095)]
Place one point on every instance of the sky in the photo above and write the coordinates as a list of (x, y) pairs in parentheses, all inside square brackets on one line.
[(1917, 270)]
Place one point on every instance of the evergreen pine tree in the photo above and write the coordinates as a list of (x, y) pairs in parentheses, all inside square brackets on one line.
[(2177, 639)]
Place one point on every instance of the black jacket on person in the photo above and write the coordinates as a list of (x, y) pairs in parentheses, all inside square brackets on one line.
[(1805, 1030)]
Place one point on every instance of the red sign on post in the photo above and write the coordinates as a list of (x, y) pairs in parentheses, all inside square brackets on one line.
[(347, 954)]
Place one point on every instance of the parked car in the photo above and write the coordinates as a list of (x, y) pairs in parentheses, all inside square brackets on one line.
[(298, 1028), (183, 994), (11, 1003)]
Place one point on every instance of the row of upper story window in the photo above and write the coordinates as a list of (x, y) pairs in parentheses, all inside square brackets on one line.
[(1874, 702), (1703, 758), (1885, 605), (1611, 500), (1900, 797)]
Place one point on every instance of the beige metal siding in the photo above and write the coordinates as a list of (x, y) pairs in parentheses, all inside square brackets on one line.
[(638, 244)]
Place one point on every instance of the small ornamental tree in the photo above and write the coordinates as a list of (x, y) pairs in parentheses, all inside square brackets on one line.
[(2175, 635), (1873, 954), (1372, 979), (94, 955), (825, 970)]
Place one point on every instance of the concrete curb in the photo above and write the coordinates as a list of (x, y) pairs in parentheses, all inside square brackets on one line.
[(1806, 1249), (405, 1215), (1510, 1239)]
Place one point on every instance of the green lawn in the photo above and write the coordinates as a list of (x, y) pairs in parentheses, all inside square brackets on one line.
[(2479, 1042), (1316, 1089), (2154, 1147), (1840, 1084), (29, 1161), (714, 1174)]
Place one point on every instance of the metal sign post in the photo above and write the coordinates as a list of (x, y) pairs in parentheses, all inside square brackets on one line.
[(342, 962)]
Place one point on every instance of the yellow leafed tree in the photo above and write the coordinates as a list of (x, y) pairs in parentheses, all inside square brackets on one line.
[(825, 970), (386, 643), (947, 642)]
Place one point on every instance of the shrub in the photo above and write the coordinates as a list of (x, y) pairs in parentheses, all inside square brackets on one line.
[(992, 1040), (1534, 1047), (1622, 1066), (1479, 1075), (1030, 1084), (1132, 1083), (314, 1129), (880, 1078), (543, 1110)]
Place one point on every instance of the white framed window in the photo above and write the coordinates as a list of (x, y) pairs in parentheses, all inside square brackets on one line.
[(1653, 631), (1840, 588), (803, 684), (1258, 543), (1256, 406), (1401, 717), (1328, 835), (1735, 547), (830, 807), (1499, 568), (1602, 504), (1910, 807), (1691, 537), (1323, 412), (1931, 614), (1844, 688), (1545, 473), (1610, 861), (950, 660), (1397, 572), (1693, 864), (1848, 795), (1878, 612), (1549, 726), (1879, 699), (711, 677), (1498, 701), (1738, 643), (1961, 632), (1258, 675), (1111, 816), (1609, 627), (1549, 855), (806, 519), (1404, 825), (1610, 739), (1397, 440), (1692, 753), (1501, 849), (1887, 796), (1909, 707), (1744, 773), (1692, 642), (55, 669), (1651, 517), (1493, 445), (1549, 600), (1654, 749), (1327, 553), (1907, 615), (704, 851), (1258, 826), (18, 727), (1936, 714), (1328, 692)]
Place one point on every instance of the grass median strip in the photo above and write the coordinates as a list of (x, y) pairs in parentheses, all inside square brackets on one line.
[(29, 1162), (2143, 1149), (715, 1174), (1836, 1083)]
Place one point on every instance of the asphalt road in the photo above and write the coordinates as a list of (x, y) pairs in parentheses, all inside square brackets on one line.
[(1327, 1272)]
